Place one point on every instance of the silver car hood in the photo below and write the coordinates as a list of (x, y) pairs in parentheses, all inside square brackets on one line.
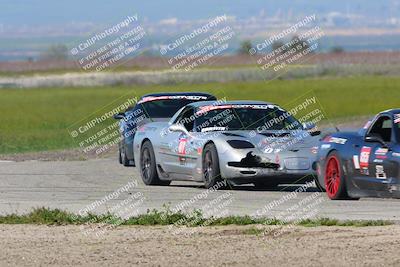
[(275, 139)]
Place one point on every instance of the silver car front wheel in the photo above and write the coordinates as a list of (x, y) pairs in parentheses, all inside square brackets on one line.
[(211, 171)]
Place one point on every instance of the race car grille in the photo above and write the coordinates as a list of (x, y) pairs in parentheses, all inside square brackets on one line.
[(253, 161), (297, 163)]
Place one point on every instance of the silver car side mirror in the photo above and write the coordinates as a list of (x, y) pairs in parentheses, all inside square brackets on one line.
[(178, 128)]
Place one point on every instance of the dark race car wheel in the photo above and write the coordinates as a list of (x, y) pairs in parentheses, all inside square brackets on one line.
[(123, 158), (211, 171), (119, 155), (148, 169), (335, 184)]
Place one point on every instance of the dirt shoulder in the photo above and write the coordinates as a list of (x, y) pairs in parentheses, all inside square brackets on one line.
[(27, 245), (60, 155)]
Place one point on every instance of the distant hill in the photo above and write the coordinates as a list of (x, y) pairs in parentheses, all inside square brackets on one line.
[(29, 27), (42, 12)]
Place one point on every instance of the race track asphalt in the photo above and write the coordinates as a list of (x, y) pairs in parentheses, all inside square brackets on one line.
[(97, 186)]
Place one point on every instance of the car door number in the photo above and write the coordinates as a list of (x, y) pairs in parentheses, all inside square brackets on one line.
[(364, 157), (182, 146)]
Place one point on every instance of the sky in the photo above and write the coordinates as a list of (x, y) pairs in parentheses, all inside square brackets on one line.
[(42, 12)]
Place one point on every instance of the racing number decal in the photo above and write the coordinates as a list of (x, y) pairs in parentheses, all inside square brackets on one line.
[(182, 146), (182, 150), (364, 159), (364, 156)]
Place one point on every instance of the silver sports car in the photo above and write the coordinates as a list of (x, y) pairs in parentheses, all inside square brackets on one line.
[(240, 141)]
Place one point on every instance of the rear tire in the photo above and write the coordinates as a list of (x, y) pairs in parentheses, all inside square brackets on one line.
[(148, 168), (335, 181), (122, 156), (119, 155), (210, 166)]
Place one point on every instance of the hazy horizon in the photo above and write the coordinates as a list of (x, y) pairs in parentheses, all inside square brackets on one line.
[(42, 12)]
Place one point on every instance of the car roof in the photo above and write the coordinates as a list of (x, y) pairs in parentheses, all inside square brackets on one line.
[(391, 111), (222, 103), (181, 94)]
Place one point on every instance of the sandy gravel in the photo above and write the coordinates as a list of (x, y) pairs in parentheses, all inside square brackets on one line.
[(30, 245)]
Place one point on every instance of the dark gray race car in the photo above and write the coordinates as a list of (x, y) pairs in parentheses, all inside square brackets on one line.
[(150, 108)]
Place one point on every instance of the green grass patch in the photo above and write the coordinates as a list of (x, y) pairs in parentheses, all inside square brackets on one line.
[(334, 222), (253, 231), (37, 119), (167, 217)]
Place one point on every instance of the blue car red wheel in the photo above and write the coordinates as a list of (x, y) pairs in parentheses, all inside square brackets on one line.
[(334, 178)]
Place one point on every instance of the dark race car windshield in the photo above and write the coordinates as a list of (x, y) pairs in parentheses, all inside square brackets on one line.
[(245, 117), (163, 108), (166, 106)]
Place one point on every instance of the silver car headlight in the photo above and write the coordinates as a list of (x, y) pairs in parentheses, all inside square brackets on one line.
[(240, 144)]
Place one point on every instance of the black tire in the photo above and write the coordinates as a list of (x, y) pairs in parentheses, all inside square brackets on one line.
[(318, 185), (334, 178), (123, 158), (148, 166), (119, 155), (266, 184), (210, 166)]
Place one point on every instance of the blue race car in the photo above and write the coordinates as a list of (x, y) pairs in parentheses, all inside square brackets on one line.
[(366, 163), (150, 108)]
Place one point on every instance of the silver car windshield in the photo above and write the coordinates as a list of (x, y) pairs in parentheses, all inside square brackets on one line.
[(246, 119)]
